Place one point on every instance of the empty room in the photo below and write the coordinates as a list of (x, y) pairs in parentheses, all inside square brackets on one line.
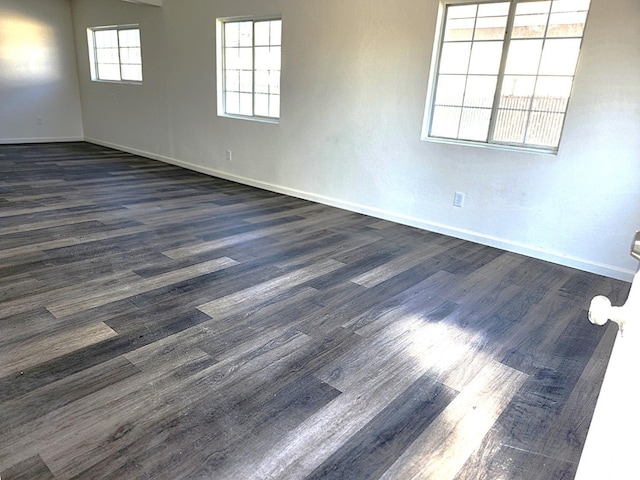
[(319, 239)]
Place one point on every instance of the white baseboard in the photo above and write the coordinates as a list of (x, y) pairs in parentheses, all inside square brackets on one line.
[(13, 141), (477, 237)]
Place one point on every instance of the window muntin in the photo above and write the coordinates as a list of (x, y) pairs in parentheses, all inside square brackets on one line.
[(115, 54), (504, 72), (251, 65)]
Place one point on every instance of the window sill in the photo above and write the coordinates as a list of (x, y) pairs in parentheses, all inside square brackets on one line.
[(117, 82), (272, 121), (491, 146)]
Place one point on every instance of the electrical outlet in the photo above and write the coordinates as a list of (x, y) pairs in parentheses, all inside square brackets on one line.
[(229, 156), (458, 199), (38, 120)]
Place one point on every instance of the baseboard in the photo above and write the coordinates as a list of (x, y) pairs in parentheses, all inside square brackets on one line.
[(13, 141), (543, 254)]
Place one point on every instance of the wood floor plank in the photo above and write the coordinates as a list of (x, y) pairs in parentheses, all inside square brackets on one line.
[(54, 396), (443, 448), (30, 469), (19, 357), (371, 451), (264, 291), (118, 292)]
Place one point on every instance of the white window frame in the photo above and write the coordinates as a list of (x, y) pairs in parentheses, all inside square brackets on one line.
[(222, 109), (434, 71), (93, 56)]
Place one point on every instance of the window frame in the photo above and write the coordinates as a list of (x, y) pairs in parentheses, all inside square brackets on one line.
[(221, 70), (434, 71), (93, 57)]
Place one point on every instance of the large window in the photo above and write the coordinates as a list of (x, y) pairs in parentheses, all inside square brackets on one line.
[(249, 53), (503, 72), (115, 54)]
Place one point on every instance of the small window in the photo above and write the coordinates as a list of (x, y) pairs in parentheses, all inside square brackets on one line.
[(249, 52), (504, 72), (115, 54)]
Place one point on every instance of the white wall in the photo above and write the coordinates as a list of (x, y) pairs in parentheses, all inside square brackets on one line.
[(354, 84), (39, 95)]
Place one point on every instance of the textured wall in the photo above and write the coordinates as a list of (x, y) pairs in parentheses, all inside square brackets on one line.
[(39, 96)]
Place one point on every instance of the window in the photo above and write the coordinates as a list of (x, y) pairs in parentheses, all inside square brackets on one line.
[(504, 71), (115, 54), (249, 53)]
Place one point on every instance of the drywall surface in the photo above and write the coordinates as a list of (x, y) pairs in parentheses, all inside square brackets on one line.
[(39, 95), (354, 84)]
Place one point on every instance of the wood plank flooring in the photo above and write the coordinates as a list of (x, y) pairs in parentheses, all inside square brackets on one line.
[(158, 323)]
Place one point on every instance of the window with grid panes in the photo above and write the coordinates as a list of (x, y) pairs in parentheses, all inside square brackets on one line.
[(249, 74), (504, 72), (115, 54)]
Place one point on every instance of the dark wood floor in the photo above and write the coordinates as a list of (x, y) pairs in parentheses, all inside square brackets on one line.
[(157, 323)]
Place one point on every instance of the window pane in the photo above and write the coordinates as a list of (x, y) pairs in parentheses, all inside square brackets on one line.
[(232, 103), (450, 90), (560, 56), (261, 105), (480, 91), (493, 9), (529, 26), (524, 57), (510, 126), (246, 34), (455, 57), (517, 92), (107, 55), (130, 55), (276, 32), (491, 28), (232, 34), (567, 24), (531, 8), (274, 106), (262, 82), (232, 80), (552, 94), (446, 121), (485, 58), (462, 11), (570, 5), (263, 33), (238, 59), (271, 106), (132, 73), (108, 72), (459, 29), (232, 58), (267, 58), (106, 38), (246, 81), (474, 124), (129, 37), (245, 58), (125, 55), (274, 83), (246, 104), (544, 129)]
